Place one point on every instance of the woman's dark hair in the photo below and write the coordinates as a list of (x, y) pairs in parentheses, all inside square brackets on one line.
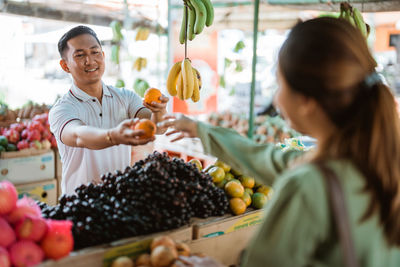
[(76, 31), (328, 59)]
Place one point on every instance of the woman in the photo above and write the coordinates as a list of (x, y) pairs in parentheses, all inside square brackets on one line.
[(329, 90)]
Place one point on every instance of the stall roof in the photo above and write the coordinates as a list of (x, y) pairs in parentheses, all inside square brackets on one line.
[(333, 5)]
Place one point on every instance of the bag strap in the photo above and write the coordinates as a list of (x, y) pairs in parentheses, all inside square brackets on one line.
[(338, 206)]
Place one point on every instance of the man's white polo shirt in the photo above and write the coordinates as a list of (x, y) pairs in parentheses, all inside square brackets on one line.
[(82, 165)]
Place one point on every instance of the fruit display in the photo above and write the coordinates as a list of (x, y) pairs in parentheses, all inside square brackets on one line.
[(184, 81), (27, 111), (33, 134), (266, 129), (140, 63), (196, 15), (354, 16), (242, 190), (142, 34), (26, 237), (165, 252), (156, 194)]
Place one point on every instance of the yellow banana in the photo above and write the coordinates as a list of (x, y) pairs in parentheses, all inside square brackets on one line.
[(196, 91), (147, 33), (136, 64), (137, 38), (144, 63), (187, 77), (198, 77), (179, 86), (173, 78)]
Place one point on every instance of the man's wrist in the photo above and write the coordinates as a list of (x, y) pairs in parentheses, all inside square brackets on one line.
[(109, 137)]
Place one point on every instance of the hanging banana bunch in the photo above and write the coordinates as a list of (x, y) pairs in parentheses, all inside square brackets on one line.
[(184, 81), (354, 16), (142, 34), (199, 13), (116, 28), (115, 54), (140, 63)]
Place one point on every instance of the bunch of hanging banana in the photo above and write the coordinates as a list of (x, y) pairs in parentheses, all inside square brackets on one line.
[(354, 16), (184, 81), (139, 64), (200, 13), (116, 28), (142, 34)]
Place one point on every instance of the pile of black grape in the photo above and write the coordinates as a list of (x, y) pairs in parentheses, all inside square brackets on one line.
[(156, 194)]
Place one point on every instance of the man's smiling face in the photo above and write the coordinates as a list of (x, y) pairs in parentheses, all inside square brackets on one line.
[(84, 59)]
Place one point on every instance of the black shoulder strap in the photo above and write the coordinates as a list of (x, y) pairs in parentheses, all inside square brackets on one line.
[(340, 214)]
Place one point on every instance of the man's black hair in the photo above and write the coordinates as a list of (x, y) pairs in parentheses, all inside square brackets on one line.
[(78, 30)]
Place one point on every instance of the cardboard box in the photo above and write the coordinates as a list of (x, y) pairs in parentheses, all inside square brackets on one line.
[(216, 226), (45, 191), (103, 256), (27, 166), (227, 248)]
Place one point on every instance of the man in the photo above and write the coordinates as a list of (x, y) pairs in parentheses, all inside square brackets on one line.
[(92, 122)]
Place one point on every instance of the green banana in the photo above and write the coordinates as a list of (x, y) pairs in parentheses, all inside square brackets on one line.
[(191, 21), (210, 12), (201, 15), (115, 54), (116, 30), (359, 21), (183, 27)]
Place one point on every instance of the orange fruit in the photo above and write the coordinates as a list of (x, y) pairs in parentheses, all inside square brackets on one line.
[(147, 126), (259, 200), (249, 191), (217, 174), (152, 95), (246, 198), (247, 181), (237, 205), (229, 176), (234, 189), (266, 190)]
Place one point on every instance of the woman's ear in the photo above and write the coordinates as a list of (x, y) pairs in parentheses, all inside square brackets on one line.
[(64, 65), (308, 106)]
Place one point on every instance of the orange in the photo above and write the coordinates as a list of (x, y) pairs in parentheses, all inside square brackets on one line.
[(266, 190), (247, 181), (249, 191), (152, 95), (234, 189), (217, 174), (246, 198), (259, 200), (147, 126), (237, 205)]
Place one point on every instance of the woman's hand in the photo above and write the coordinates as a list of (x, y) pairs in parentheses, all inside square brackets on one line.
[(180, 124), (125, 134)]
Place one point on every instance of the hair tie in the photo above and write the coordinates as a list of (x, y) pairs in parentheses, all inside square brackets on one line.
[(372, 79)]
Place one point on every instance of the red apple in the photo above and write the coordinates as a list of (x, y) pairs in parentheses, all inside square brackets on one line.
[(58, 241), (8, 197), (31, 228)]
